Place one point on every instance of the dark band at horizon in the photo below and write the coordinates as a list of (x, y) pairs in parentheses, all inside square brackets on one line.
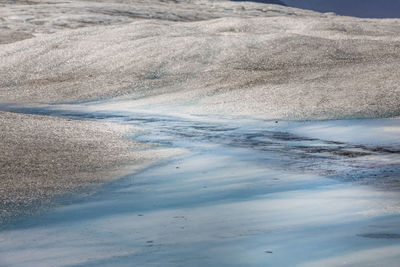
[(355, 8)]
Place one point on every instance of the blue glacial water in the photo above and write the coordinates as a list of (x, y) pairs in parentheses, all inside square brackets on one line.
[(244, 194)]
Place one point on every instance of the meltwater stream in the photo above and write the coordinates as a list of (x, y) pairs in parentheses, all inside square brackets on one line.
[(243, 195)]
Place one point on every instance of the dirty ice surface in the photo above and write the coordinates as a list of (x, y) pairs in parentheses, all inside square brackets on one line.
[(249, 193)]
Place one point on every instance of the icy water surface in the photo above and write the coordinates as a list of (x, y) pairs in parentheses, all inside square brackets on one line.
[(245, 194)]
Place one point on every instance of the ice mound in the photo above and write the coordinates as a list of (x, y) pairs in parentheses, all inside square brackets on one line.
[(303, 66)]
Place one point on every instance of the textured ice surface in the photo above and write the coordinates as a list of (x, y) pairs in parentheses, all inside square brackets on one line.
[(48, 17), (42, 157), (238, 58)]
